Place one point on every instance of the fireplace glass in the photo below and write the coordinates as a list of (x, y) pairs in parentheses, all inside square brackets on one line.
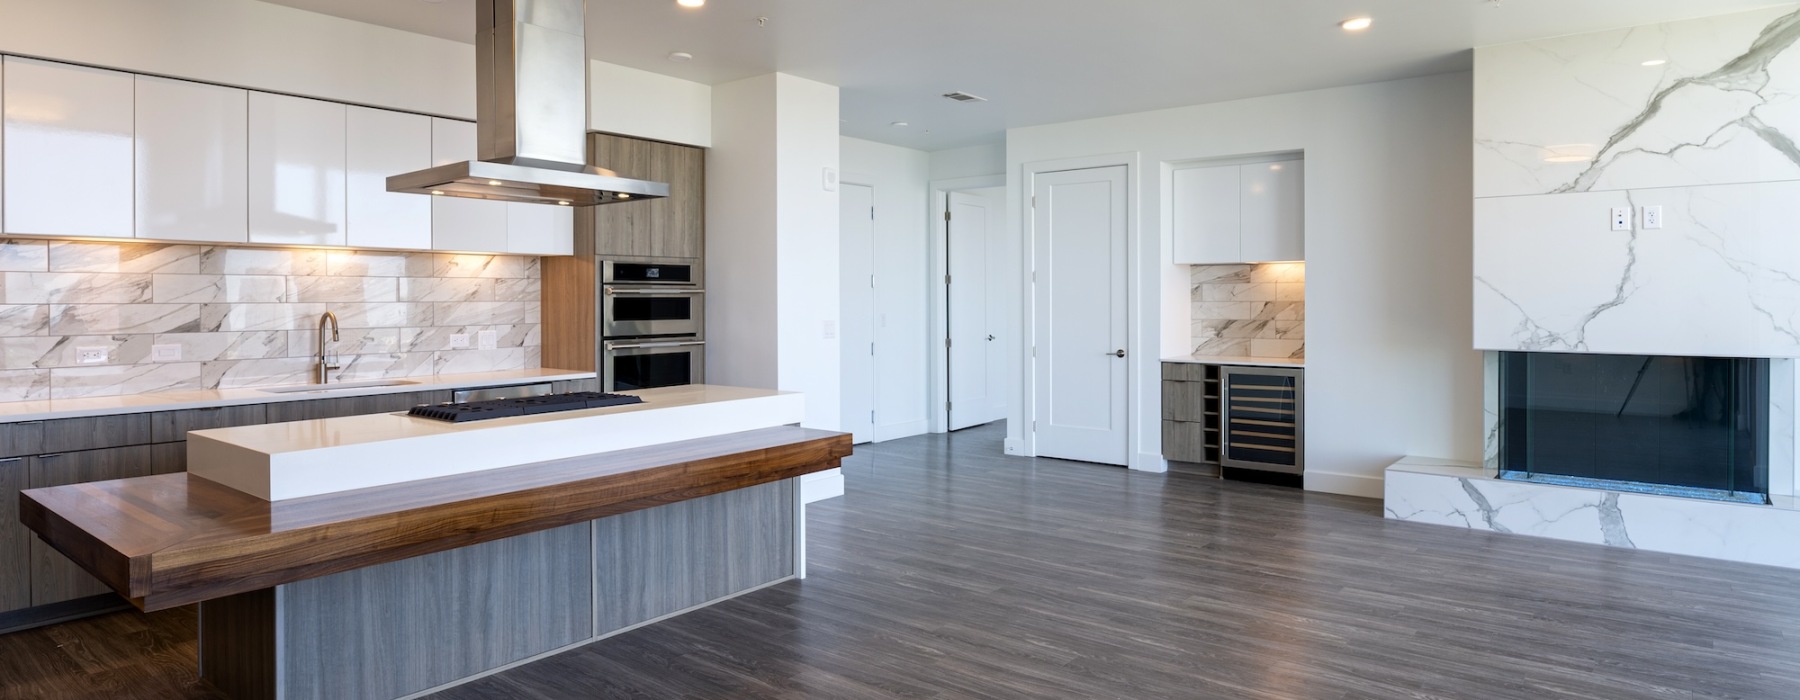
[(1680, 426)]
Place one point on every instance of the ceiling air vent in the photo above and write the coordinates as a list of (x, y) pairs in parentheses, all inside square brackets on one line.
[(961, 96)]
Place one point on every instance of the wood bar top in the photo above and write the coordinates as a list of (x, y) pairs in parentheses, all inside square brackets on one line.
[(175, 539)]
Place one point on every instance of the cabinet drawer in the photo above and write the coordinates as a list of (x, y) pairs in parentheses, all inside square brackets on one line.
[(173, 426), (1185, 401), (53, 577), (1185, 442), (21, 439), (352, 406), (1184, 371), (99, 432)]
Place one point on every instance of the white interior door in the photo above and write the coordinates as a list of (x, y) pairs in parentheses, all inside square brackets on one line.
[(856, 224), (972, 401), (1079, 223)]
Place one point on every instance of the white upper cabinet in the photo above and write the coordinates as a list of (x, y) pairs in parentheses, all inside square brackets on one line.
[(68, 134), (458, 223), (1274, 211), (1238, 213), (540, 229), (297, 171), (192, 155), (383, 143), (1204, 214)]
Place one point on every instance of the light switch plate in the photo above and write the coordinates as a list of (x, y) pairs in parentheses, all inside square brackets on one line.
[(830, 330), (459, 341), (1621, 218), (488, 340), (1653, 217), (165, 353)]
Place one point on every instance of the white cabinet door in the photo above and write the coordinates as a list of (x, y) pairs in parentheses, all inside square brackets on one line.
[(382, 143), (540, 229), (192, 154), (68, 161), (1204, 214), (1274, 211), (461, 224), (296, 171)]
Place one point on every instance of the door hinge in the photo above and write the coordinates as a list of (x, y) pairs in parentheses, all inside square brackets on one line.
[(871, 281), (871, 213), (1034, 201), (871, 418), (946, 215), (1034, 276), (1034, 351), (1034, 426), (948, 405), (946, 279), (871, 349), (946, 342)]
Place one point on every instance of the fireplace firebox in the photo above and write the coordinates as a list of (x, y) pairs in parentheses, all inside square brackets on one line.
[(1681, 426)]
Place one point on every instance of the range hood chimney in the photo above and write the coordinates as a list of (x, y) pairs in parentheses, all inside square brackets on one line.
[(531, 84)]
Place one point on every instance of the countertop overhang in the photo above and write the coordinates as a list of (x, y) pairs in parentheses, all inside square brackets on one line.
[(172, 540)]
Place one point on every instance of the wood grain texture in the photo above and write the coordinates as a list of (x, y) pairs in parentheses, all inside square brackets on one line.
[(654, 562), (70, 434), (21, 439), (950, 570), (405, 626), (173, 539), (570, 308), (238, 645), (289, 411), (54, 577), (1184, 401), (173, 426), (671, 227), (1186, 442), (1186, 372), (15, 539)]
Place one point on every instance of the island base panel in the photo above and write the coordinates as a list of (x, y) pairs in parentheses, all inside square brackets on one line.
[(397, 629)]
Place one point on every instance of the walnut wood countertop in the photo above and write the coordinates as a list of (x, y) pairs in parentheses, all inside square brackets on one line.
[(171, 540)]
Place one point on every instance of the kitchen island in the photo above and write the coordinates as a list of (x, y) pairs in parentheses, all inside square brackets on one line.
[(391, 590)]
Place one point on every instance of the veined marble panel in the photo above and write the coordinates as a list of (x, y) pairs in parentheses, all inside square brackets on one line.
[(1462, 495), (1585, 114), (1247, 310), (1721, 278)]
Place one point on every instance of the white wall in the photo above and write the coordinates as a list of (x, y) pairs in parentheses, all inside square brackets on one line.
[(902, 227), (806, 245), (1390, 370), (281, 49), (969, 161), (740, 236)]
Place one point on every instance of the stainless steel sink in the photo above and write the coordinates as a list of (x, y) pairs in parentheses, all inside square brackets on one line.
[(346, 386)]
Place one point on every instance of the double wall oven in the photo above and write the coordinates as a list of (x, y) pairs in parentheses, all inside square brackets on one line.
[(652, 318)]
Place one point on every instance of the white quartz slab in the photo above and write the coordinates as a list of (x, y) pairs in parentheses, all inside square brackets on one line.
[(1462, 494), (280, 461), (1238, 360), (23, 411)]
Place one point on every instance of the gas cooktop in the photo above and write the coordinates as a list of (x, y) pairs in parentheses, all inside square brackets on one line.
[(528, 406)]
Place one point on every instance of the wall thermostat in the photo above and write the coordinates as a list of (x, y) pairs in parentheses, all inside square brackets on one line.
[(831, 180)]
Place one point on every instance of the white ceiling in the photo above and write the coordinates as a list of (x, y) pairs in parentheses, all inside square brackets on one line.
[(1047, 61)]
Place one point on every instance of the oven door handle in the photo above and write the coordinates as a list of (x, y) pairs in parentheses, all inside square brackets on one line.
[(611, 291), (643, 346)]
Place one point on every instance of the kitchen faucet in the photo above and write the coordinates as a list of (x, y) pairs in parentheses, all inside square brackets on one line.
[(326, 364)]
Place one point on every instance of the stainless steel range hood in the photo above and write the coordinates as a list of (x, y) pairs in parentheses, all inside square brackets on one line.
[(531, 83)]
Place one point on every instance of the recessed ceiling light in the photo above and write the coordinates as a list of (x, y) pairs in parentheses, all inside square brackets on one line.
[(690, 3), (899, 124), (681, 57), (1655, 62), (1357, 24)]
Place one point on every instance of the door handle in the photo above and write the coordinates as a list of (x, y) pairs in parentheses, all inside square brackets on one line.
[(1115, 353), (990, 338)]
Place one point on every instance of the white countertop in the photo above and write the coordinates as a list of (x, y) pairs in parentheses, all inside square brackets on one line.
[(1237, 360), (21, 411), (278, 461)]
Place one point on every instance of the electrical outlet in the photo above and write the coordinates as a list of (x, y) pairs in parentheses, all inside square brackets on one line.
[(1653, 217), (459, 341), (1621, 218), (488, 340), (165, 353), (90, 356)]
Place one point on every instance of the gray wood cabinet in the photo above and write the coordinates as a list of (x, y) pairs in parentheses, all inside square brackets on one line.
[(351, 406), (173, 426), (672, 227), (21, 439), (15, 540), (1190, 412), (53, 577), (96, 432)]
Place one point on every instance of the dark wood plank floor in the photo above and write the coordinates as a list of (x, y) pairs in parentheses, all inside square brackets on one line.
[(949, 571)]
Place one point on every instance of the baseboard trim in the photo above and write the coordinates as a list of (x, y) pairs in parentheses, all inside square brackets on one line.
[(1150, 462), (820, 486), (1345, 484), (58, 613), (1014, 446)]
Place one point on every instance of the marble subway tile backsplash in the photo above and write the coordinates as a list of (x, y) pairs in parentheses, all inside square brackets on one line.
[(247, 316), (1249, 310)]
